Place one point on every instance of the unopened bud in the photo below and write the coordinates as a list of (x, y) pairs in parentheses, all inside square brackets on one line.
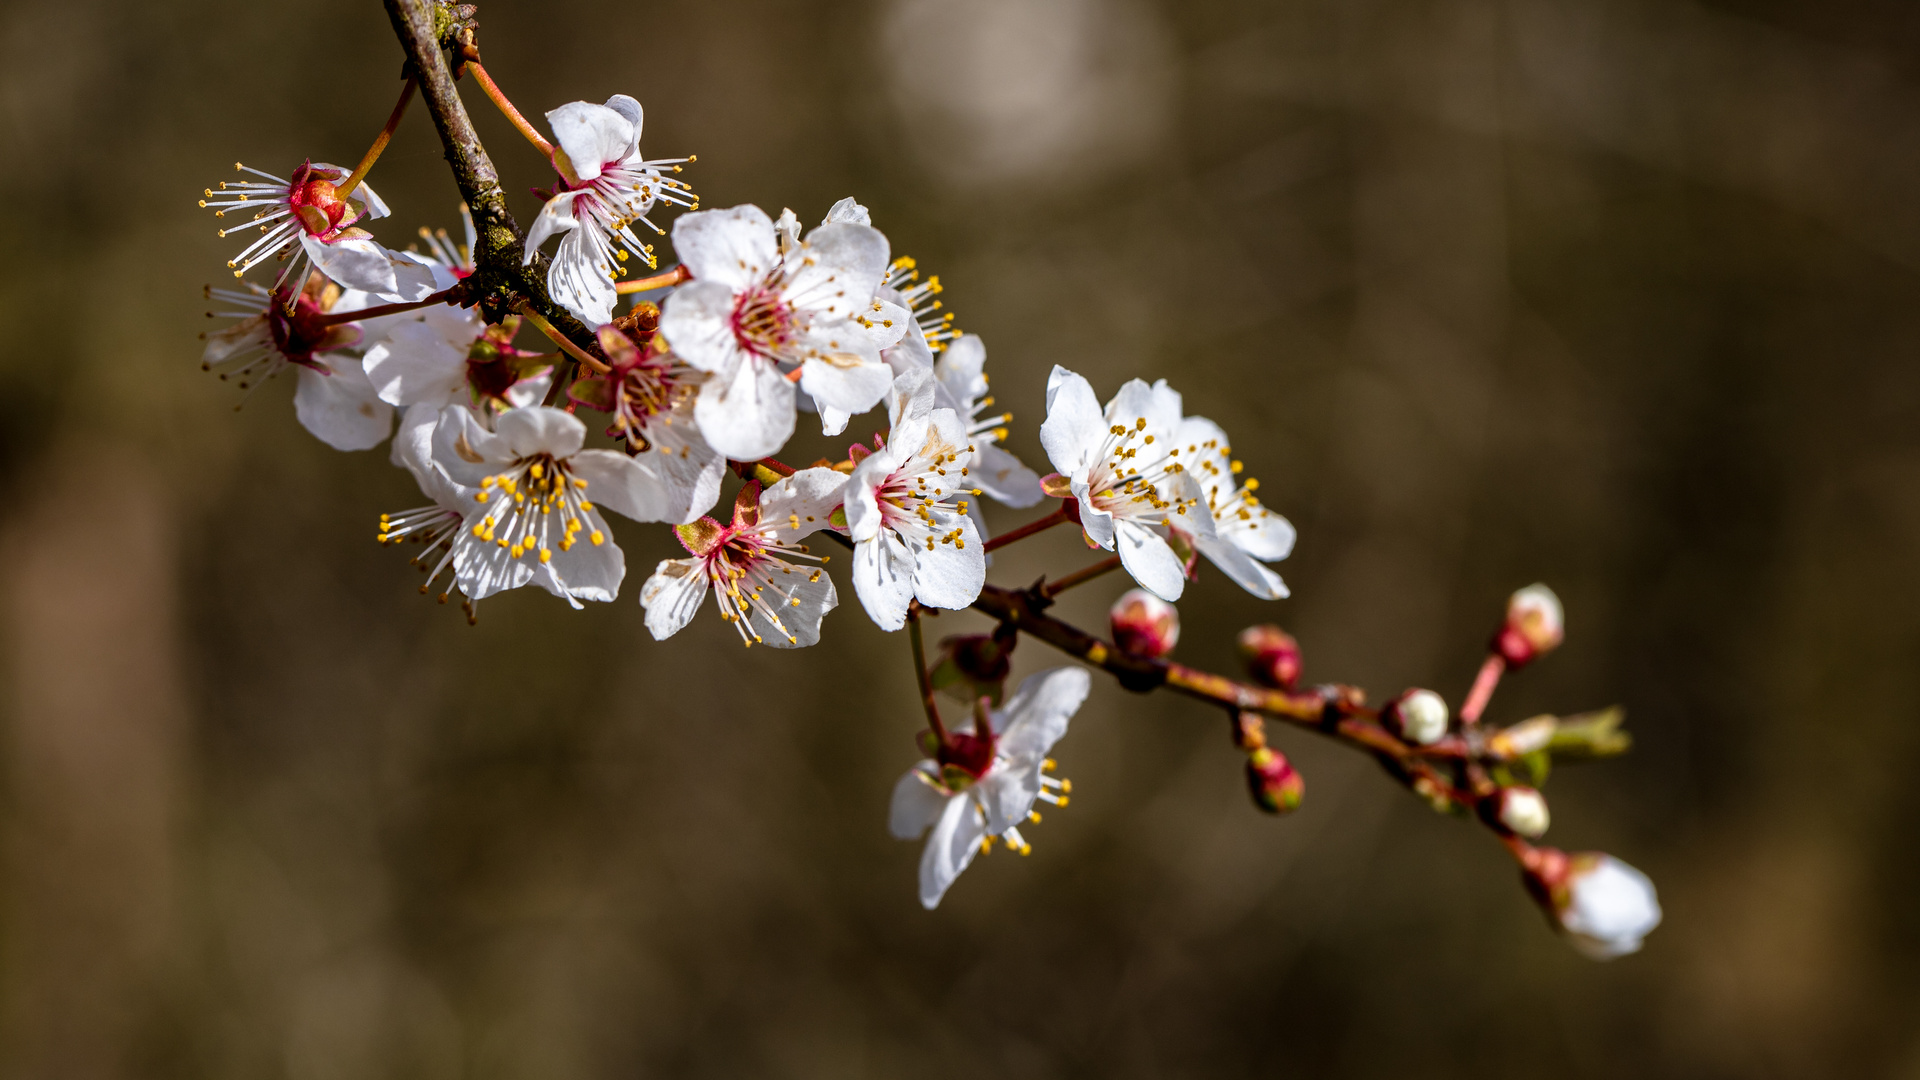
[(1145, 625), (1524, 810), (1535, 626), (1523, 738), (1272, 656), (972, 666), (1418, 716), (1604, 907), (1276, 785)]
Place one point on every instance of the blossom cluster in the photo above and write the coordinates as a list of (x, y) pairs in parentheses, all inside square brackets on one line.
[(525, 455)]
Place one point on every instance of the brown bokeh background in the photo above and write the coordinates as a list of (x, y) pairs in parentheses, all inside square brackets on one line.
[(1622, 295)]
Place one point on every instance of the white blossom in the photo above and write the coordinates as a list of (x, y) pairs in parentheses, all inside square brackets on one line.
[(1122, 468), (759, 320), (605, 187), (1609, 908), (1245, 533), (751, 565), (540, 495), (651, 395), (986, 782), (303, 222), (906, 508), (334, 399)]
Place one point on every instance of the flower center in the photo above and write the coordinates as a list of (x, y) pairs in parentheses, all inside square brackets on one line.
[(315, 201), (299, 330), (764, 323), (1127, 480), (536, 505), (743, 567)]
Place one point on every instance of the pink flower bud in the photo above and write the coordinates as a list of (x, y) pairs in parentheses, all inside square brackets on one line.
[(1276, 785), (1535, 626), (1272, 656), (1418, 716), (1145, 625), (1524, 810)]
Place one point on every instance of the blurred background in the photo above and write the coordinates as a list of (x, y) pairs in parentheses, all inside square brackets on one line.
[(1622, 295)]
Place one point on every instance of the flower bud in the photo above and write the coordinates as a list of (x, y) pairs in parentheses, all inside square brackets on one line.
[(1418, 716), (1605, 907), (1145, 625), (972, 666), (1524, 810), (1272, 656), (1535, 626), (1276, 785), (1524, 737)]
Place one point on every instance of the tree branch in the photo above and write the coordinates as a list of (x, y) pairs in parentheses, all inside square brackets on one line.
[(499, 281)]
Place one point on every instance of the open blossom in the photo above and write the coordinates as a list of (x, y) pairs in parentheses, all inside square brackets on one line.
[(1245, 533), (605, 187), (539, 497), (906, 507), (650, 393), (304, 222), (754, 566), (451, 356), (1121, 466), (984, 781), (334, 399), (759, 319)]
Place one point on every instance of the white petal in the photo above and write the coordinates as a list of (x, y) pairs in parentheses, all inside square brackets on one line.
[(698, 323), (593, 136), (579, 278), (417, 364), (911, 397), (1262, 533), (1036, 716), (848, 212), (746, 416), (482, 568), (586, 570), (734, 247), (950, 848), (541, 430), (1147, 557), (839, 268), (467, 452), (687, 467), (802, 596), (950, 576), (883, 579), (1075, 425), (555, 217), (623, 485), (916, 802), (1005, 477), (249, 333), (341, 409), (1246, 572), (413, 451), (843, 370), (354, 264), (1158, 405), (961, 368), (1096, 523), (886, 323), (673, 595), (798, 506)]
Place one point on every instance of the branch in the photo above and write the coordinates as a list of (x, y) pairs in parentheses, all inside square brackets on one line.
[(499, 281)]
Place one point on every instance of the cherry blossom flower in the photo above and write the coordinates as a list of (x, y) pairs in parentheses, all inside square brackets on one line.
[(982, 785), (605, 187), (1121, 467), (304, 222), (651, 394), (906, 507), (451, 356), (277, 331), (752, 565), (760, 320), (1245, 533), (542, 496)]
